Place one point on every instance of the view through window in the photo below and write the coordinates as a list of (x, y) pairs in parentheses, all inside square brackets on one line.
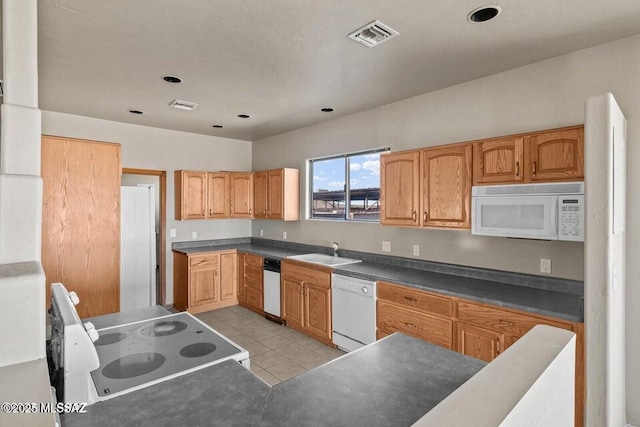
[(346, 187)]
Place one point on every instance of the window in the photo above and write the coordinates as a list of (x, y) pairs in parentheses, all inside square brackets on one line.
[(346, 187)]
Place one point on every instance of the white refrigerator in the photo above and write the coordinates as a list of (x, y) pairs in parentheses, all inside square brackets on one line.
[(137, 247)]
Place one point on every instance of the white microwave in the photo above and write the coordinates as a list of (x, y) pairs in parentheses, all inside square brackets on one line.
[(530, 211)]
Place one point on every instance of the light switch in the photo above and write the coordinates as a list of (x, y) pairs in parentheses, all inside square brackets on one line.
[(172, 232)]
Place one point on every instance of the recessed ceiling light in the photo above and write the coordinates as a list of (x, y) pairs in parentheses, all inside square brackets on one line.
[(244, 116), (484, 13), (136, 111), (327, 110), (172, 79), (217, 126)]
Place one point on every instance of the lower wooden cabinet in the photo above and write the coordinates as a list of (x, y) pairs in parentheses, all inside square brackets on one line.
[(204, 282), (251, 283), (306, 299), (480, 343)]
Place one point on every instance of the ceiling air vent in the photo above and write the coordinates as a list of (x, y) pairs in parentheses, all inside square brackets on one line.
[(373, 34), (183, 105)]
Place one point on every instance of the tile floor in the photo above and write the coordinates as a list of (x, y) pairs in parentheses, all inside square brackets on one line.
[(277, 352)]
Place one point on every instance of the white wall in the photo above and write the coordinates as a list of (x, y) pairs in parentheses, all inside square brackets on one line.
[(544, 95), (161, 149)]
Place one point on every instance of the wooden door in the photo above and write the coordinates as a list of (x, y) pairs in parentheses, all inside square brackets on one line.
[(478, 342), (241, 186), (191, 195), (218, 195), (292, 301), (555, 155), (228, 276), (446, 186), (260, 194), (498, 161), (400, 188), (81, 221), (317, 310), (241, 294), (204, 280), (275, 206)]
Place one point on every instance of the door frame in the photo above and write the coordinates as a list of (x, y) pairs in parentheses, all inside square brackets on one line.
[(163, 223)]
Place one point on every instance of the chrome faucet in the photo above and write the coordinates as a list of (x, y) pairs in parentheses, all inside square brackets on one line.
[(335, 248)]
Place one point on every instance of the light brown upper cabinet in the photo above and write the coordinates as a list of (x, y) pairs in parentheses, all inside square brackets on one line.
[(498, 160), (218, 195), (277, 194), (191, 195), (446, 186), (553, 155), (400, 188), (241, 194), (556, 155), (430, 188)]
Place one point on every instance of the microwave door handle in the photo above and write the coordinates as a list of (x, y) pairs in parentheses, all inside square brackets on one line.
[(554, 216)]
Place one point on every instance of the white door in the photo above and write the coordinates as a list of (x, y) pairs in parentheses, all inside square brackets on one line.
[(137, 248)]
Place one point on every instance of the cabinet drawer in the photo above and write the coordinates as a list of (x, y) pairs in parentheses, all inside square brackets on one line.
[(306, 274), (253, 283), (253, 272), (392, 318), (417, 300), (203, 261), (253, 297), (253, 260), (502, 320)]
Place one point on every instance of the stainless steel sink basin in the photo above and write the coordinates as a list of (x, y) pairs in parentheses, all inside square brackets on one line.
[(326, 260)]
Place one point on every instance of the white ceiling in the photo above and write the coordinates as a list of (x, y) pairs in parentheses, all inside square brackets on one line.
[(281, 61)]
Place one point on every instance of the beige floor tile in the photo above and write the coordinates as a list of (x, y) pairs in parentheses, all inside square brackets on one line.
[(272, 326), (254, 368), (247, 327), (225, 314), (243, 340), (252, 315), (268, 378), (311, 360), (260, 333), (276, 341), (238, 309), (228, 331), (310, 343), (330, 352), (293, 335), (215, 323), (239, 321), (255, 348), (285, 370), (267, 359), (292, 350)]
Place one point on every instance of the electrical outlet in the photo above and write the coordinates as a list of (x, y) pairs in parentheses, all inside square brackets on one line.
[(284, 235), (172, 232), (545, 265), (261, 232), (416, 250), (386, 246), (194, 235)]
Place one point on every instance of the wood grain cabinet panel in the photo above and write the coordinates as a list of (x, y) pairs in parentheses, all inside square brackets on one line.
[(317, 311), (277, 194), (416, 299), (228, 276), (191, 195), (400, 188), (483, 344), (81, 221), (253, 283), (498, 160), (240, 288), (241, 193), (292, 302), (217, 195), (260, 194), (556, 155), (446, 186), (204, 283), (393, 318)]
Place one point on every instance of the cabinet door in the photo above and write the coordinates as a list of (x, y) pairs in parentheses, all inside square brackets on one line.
[(317, 310), (446, 186), (275, 206), (556, 155), (241, 195), (241, 258), (254, 298), (228, 276), (218, 195), (478, 342), (292, 300), (203, 285), (260, 194), (400, 188), (194, 195), (498, 161)]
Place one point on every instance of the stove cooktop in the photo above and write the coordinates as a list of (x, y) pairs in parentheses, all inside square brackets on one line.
[(150, 351)]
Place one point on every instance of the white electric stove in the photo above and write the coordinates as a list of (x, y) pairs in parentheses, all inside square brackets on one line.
[(94, 365)]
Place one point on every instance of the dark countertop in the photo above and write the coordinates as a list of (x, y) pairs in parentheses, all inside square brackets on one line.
[(544, 301), (136, 315), (394, 381)]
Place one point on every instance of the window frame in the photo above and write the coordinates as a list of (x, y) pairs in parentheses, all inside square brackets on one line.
[(347, 183)]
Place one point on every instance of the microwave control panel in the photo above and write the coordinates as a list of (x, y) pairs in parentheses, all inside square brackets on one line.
[(571, 218)]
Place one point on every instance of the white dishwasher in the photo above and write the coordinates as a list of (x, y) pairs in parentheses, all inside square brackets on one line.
[(353, 312)]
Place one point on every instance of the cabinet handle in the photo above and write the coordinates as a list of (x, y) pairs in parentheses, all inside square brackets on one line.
[(268, 212), (517, 168), (202, 212), (534, 168), (249, 211), (410, 298), (506, 322), (264, 211), (425, 216), (414, 216)]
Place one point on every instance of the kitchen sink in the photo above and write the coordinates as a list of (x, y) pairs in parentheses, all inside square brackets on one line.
[(327, 260)]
